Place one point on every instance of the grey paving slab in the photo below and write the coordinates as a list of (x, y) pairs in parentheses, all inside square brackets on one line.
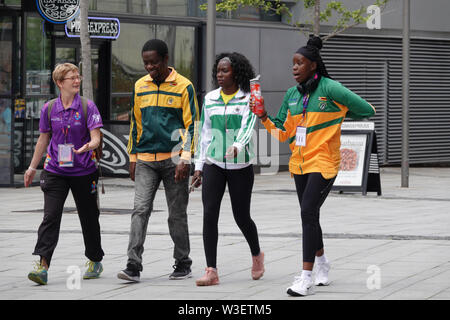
[(404, 234)]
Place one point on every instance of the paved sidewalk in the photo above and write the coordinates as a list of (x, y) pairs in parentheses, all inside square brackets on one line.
[(396, 246)]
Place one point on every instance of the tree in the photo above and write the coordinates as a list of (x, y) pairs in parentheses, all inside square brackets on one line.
[(346, 18), (85, 40)]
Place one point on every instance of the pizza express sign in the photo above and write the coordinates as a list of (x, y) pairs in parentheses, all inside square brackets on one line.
[(105, 28), (58, 11)]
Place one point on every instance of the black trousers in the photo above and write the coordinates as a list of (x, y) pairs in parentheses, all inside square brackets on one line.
[(56, 189), (312, 190), (240, 185)]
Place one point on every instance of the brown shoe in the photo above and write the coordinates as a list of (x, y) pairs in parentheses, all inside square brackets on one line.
[(258, 266), (209, 279)]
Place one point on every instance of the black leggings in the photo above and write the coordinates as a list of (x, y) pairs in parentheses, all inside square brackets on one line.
[(240, 185), (312, 190)]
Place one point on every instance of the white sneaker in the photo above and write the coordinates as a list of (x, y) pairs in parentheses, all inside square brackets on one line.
[(301, 287), (321, 277)]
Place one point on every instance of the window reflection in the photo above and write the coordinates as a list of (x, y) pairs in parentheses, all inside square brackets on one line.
[(38, 58), (176, 8), (6, 33), (127, 65), (5, 139), (121, 107)]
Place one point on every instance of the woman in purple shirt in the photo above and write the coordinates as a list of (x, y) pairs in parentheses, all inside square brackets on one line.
[(69, 136)]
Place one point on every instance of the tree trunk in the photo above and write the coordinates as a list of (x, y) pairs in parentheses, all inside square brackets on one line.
[(85, 51), (316, 27)]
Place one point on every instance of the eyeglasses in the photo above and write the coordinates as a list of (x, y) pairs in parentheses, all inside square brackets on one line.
[(74, 78)]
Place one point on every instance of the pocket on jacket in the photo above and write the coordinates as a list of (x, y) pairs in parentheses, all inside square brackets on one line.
[(43, 180)]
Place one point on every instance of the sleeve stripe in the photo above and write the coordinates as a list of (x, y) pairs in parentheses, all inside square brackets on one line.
[(194, 114), (132, 135), (245, 139)]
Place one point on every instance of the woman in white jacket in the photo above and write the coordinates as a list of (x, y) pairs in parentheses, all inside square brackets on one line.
[(224, 156)]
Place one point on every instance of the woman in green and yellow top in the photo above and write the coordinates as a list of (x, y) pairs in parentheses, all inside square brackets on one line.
[(310, 118), (223, 157)]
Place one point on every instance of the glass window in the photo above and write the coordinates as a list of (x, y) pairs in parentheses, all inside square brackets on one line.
[(145, 7), (6, 33), (109, 5), (16, 2), (120, 107), (6, 40), (181, 43), (172, 7), (5, 140), (176, 8), (127, 66), (65, 55), (38, 58)]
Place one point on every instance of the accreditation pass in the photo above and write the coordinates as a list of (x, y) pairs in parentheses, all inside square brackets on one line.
[(300, 136)]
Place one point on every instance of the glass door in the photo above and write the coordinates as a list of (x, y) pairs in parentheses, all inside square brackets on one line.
[(7, 39), (71, 52)]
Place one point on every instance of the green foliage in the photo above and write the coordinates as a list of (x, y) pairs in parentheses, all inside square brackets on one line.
[(232, 5)]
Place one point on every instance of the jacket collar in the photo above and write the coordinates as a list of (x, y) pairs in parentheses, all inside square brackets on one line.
[(58, 106), (215, 94), (170, 78)]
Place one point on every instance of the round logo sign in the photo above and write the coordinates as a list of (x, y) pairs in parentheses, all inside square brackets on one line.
[(58, 11)]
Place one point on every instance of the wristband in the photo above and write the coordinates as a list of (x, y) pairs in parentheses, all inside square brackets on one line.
[(32, 169)]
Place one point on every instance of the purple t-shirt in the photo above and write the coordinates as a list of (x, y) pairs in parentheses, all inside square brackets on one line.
[(69, 126)]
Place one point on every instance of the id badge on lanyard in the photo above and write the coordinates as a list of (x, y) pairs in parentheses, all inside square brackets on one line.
[(65, 151), (65, 155), (300, 135)]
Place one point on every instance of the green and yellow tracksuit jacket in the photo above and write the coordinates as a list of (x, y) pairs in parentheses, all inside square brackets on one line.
[(163, 119), (224, 125), (327, 107)]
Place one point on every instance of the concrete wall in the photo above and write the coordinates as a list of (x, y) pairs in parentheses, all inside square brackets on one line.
[(426, 16)]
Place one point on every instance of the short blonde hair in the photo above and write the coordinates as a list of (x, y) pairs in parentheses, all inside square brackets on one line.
[(61, 70)]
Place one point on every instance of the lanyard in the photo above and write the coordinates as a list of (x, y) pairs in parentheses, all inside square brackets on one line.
[(65, 129), (305, 105)]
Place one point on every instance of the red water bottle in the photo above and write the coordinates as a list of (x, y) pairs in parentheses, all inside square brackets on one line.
[(255, 93)]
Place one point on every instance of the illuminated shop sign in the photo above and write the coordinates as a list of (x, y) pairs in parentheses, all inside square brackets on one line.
[(105, 28)]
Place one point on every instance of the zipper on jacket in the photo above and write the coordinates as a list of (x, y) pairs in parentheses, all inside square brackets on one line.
[(156, 117), (226, 133), (302, 159)]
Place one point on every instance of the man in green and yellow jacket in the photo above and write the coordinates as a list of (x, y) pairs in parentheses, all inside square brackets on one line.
[(162, 138)]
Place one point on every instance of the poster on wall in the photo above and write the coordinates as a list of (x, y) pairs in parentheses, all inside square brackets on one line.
[(353, 153)]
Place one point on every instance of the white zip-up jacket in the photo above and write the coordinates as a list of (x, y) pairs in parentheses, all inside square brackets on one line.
[(224, 125)]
